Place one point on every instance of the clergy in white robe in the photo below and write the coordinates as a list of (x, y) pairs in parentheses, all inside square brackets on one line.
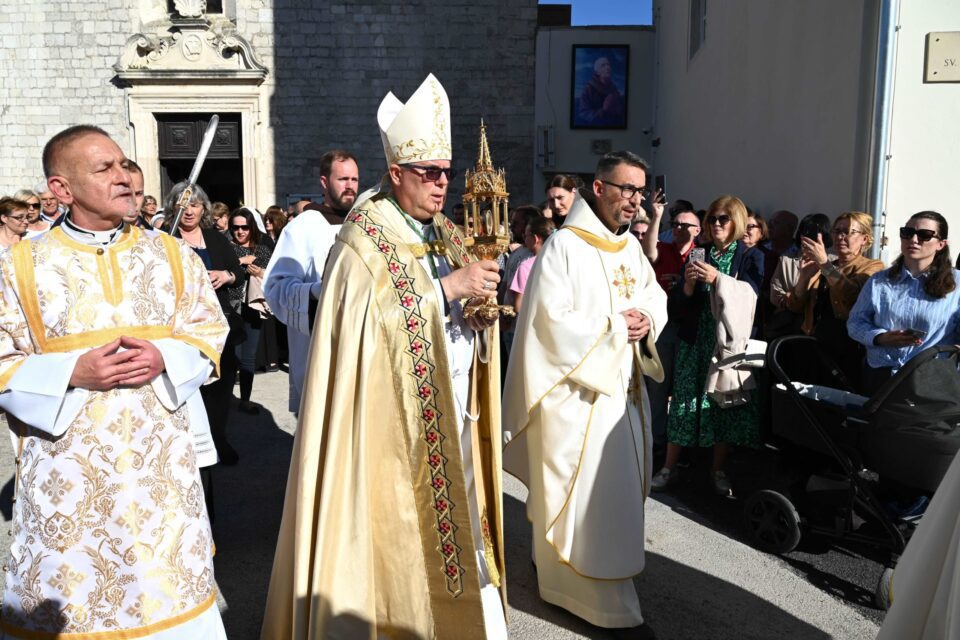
[(575, 401), (293, 280), (926, 583), (110, 537)]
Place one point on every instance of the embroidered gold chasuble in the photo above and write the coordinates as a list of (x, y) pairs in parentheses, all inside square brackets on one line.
[(376, 537), (110, 537)]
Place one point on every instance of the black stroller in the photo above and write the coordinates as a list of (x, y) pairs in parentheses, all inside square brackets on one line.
[(836, 446)]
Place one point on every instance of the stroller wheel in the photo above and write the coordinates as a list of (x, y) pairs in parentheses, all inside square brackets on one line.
[(772, 521), (883, 596)]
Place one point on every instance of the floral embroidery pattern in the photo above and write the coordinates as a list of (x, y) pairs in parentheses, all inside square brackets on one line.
[(421, 367)]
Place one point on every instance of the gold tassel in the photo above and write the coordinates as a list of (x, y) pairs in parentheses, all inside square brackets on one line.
[(488, 553)]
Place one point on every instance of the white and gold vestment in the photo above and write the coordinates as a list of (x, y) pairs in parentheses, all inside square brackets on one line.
[(575, 399), (392, 524), (110, 536)]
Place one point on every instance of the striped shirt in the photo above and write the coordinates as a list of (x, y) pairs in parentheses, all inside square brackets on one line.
[(901, 304)]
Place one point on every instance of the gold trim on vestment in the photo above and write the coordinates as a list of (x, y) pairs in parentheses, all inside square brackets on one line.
[(100, 337), (176, 265), (27, 286), (408, 301), (8, 374), (103, 271), (597, 242), (420, 249), (120, 634), (576, 474), (116, 278)]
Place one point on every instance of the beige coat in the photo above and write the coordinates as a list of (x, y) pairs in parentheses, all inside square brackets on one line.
[(733, 304)]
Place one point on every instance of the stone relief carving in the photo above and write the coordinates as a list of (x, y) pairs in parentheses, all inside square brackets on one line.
[(190, 8), (189, 48)]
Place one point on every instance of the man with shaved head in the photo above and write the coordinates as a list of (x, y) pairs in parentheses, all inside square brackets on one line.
[(106, 333)]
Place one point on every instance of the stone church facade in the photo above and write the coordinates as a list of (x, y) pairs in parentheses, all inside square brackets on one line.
[(290, 79)]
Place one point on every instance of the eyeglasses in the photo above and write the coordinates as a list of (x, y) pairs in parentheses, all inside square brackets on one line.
[(627, 191), (843, 233), (431, 174), (751, 227), (33, 205), (923, 235), (17, 218), (240, 227), (684, 225), (721, 220)]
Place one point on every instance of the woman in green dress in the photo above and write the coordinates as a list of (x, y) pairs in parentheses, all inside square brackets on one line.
[(695, 419)]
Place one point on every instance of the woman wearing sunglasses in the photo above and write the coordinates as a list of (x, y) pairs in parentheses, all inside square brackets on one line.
[(826, 289), (14, 218), (696, 419), (913, 305), (254, 250), (35, 224)]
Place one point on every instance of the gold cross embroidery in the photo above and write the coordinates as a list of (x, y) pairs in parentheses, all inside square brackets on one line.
[(624, 281)]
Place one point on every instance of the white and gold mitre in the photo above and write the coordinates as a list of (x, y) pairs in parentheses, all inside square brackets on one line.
[(418, 130)]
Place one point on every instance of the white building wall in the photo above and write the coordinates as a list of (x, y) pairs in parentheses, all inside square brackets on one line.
[(774, 107), (572, 147), (925, 125)]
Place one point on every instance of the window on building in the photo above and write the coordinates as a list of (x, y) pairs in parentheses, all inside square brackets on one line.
[(213, 6), (698, 25)]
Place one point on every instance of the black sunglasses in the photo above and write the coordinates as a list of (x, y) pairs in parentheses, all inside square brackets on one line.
[(432, 174), (31, 205), (240, 227), (923, 235), (684, 225), (723, 220)]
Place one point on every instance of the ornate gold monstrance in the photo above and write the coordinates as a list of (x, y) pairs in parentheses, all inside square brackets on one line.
[(486, 214)]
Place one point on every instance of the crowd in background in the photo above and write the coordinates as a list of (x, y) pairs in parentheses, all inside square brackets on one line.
[(811, 276)]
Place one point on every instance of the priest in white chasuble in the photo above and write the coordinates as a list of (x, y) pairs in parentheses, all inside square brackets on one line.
[(575, 401), (106, 335), (392, 524)]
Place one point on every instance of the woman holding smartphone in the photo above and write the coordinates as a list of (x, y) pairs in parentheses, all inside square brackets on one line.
[(827, 289), (695, 419), (913, 305)]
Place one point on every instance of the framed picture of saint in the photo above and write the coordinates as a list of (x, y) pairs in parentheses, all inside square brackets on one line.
[(599, 87)]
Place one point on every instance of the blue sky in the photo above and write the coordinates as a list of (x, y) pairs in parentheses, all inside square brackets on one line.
[(607, 12)]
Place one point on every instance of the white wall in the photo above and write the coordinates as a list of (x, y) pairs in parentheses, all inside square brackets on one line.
[(774, 107), (925, 135), (554, 76)]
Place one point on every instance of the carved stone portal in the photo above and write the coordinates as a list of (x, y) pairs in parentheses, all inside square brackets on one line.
[(190, 50)]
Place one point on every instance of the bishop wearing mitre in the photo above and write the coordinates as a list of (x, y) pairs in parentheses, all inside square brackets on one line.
[(392, 524)]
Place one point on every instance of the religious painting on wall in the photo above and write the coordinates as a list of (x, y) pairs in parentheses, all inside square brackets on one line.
[(599, 87)]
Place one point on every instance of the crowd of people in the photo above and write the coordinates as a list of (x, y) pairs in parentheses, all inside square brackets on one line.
[(404, 389)]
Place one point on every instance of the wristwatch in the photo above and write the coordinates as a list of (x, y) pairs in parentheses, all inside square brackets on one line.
[(829, 269)]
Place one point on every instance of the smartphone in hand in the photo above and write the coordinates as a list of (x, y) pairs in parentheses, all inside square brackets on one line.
[(697, 254), (660, 187)]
